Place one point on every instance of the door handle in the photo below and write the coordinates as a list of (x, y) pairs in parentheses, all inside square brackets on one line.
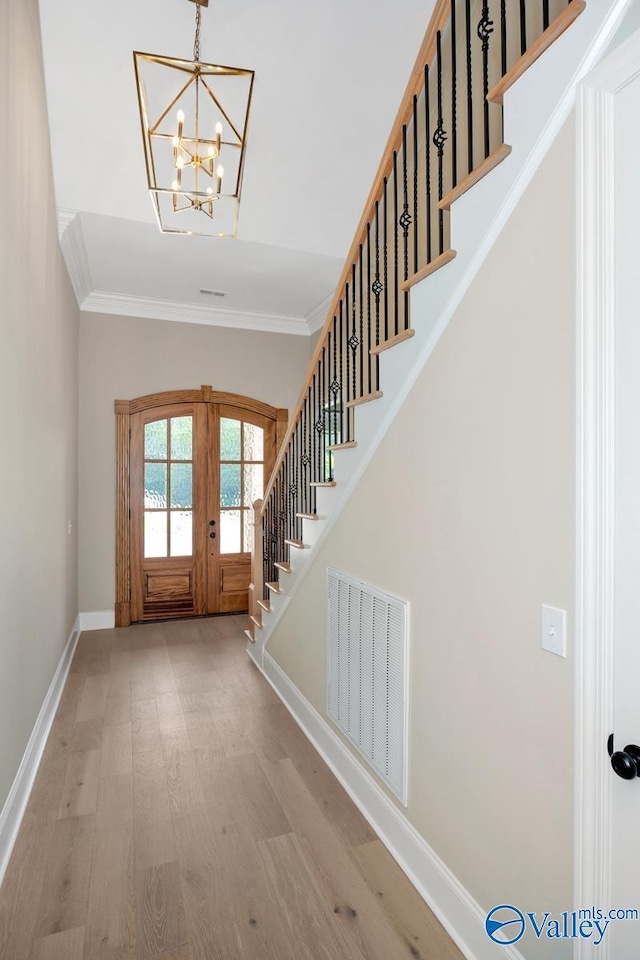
[(625, 763)]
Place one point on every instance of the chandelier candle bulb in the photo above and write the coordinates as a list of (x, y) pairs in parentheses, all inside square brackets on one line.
[(218, 137), (220, 175)]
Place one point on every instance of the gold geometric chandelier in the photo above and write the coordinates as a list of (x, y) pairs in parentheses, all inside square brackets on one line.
[(194, 119)]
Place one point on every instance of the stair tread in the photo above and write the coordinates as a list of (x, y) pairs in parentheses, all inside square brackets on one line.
[(392, 341), (283, 565), (476, 175), (323, 483), (249, 636), (258, 622), (347, 445), (274, 586), (298, 544), (366, 398), (265, 605), (308, 516), (564, 19), (430, 268)]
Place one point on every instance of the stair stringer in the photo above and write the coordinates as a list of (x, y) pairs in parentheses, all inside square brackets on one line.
[(535, 109)]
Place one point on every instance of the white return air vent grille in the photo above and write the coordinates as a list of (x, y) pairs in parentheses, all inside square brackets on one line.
[(367, 674)]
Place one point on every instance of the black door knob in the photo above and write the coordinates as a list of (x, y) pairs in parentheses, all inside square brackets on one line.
[(626, 763)]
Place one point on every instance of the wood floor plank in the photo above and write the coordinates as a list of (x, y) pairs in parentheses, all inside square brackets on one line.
[(303, 904), (63, 902), (117, 751), (403, 905), (218, 788), (160, 914), (145, 727), (261, 806), (80, 790), (93, 701), (67, 945), (154, 842), (22, 887), (336, 803), (111, 914), (87, 735)]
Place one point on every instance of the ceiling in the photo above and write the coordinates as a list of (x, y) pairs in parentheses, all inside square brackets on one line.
[(329, 79)]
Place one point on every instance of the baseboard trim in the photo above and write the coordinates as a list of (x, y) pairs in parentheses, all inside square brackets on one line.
[(458, 912), (97, 620), (16, 803)]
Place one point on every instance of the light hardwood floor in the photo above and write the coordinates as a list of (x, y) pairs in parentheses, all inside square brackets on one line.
[(179, 813)]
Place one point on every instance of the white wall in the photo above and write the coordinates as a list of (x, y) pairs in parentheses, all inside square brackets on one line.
[(126, 357), (38, 398), (467, 511)]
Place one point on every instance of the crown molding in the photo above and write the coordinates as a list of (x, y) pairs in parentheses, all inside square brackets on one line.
[(101, 301), (316, 317), (74, 252)]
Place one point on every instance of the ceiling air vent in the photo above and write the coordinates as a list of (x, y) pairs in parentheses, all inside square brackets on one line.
[(212, 293)]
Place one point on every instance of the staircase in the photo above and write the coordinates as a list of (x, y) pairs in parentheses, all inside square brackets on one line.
[(481, 108)]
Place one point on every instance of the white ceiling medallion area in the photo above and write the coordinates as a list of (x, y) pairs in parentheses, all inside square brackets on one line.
[(91, 300)]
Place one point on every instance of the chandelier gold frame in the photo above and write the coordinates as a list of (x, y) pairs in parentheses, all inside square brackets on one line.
[(176, 147)]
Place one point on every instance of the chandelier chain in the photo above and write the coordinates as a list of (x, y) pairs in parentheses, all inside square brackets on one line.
[(196, 42)]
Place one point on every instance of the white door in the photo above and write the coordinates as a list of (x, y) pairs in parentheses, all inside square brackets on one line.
[(624, 935)]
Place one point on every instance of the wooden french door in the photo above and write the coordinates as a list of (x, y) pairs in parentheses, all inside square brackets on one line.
[(195, 469)]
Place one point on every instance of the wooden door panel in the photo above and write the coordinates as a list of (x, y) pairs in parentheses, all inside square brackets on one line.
[(234, 579)]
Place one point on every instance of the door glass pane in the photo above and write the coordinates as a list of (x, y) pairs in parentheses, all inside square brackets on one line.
[(229, 439), (247, 530), (155, 486), (230, 531), (253, 483), (229, 485), (253, 442), (181, 438), (155, 440), (155, 534), (181, 533), (181, 485)]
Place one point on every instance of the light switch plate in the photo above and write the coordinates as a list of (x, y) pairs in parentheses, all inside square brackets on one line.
[(554, 630)]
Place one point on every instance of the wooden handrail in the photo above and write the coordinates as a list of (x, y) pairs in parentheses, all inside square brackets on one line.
[(426, 52)]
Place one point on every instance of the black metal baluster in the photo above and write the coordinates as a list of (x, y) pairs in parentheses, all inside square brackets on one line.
[(427, 147), (336, 388), (309, 452), (503, 37), (353, 339), (312, 428), (485, 29), (545, 14), (377, 290), (361, 316), (415, 184), (469, 87), (396, 264), (439, 140), (405, 223), (454, 98), (347, 352), (523, 27), (370, 359), (343, 386), (385, 257), (319, 420), (323, 435)]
